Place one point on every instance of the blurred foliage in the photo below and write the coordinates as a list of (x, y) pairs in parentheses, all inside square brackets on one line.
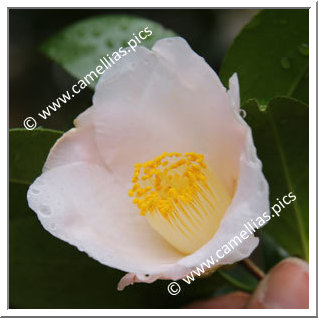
[(270, 56), (79, 47), (28, 151)]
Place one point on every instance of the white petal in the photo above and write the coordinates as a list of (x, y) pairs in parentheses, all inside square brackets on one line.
[(234, 92), (130, 279), (250, 201), (76, 145), (189, 66), (168, 99), (84, 206)]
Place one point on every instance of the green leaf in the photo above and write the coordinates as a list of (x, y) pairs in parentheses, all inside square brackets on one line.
[(238, 276), (28, 151), (271, 250), (270, 56), (281, 135), (79, 47)]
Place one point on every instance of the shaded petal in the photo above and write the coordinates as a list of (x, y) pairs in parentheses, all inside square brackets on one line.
[(168, 99), (84, 206), (251, 200), (234, 92), (76, 145), (130, 279)]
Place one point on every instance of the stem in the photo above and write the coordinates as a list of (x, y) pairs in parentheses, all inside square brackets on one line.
[(255, 270)]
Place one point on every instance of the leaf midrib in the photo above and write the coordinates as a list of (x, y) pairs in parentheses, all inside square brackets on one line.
[(297, 81), (297, 210)]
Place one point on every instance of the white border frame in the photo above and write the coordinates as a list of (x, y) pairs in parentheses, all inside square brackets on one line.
[(312, 162)]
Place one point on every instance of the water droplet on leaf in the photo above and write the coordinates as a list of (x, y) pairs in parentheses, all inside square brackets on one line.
[(124, 27), (80, 33), (96, 32), (262, 108), (109, 43), (303, 49), (285, 62), (243, 113)]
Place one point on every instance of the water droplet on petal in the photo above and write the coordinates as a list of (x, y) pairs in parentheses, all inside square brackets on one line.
[(52, 226), (285, 62), (262, 185), (45, 210), (304, 49), (40, 182), (35, 191), (243, 113)]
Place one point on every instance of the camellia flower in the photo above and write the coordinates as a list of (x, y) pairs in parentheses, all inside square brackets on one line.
[(159, 173)]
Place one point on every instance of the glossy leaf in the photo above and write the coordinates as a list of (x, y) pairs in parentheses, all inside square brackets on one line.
[(270, 56), (79, 47), (238, 276), (272, 252), (281, 137)]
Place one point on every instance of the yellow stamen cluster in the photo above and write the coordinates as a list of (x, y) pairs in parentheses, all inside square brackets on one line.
[(167, 181), (181, 198)]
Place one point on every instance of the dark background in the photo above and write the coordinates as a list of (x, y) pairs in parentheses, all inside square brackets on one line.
[(35, 81)]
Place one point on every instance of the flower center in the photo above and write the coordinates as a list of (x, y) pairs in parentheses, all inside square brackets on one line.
[(181, 198)]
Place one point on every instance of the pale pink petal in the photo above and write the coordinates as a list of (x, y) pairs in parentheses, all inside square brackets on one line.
[(76, 145), (234, 92), (83, 205), (167, 99), (250, 201), (150, 102)]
